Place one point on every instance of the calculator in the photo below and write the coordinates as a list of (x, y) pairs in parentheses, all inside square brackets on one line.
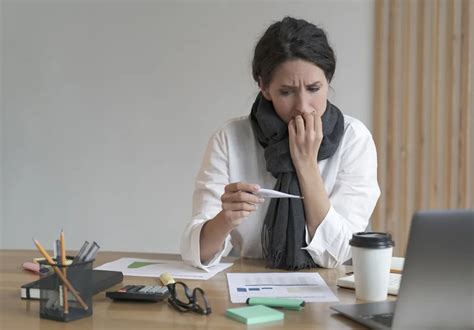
[(152, 293)]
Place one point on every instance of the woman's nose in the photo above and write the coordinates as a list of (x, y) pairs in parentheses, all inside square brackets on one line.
[(302, 104)]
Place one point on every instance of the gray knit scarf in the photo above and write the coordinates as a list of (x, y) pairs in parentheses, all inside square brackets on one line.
[(283, 232)]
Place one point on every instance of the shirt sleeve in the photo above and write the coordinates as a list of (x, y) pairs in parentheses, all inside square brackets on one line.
[(352, 199), (209, 186)]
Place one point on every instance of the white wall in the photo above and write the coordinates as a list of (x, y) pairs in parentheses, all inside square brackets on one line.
[(108, 106), (1, 127)]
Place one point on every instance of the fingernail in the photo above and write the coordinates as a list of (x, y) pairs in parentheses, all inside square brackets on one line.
[(257, 187), (261, 200)]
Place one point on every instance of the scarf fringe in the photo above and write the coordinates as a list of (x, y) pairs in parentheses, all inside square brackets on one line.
[(275, 260)]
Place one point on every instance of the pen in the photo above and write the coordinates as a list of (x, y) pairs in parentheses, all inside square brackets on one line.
[(81, 252), (60, 274), (90, 255), (63, 263), (59, 262), (57, 250)]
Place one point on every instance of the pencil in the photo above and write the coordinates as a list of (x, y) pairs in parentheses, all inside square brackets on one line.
[(63, 263), (60, 274)]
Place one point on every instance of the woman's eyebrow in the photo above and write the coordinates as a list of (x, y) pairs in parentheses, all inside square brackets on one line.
[(314, 84)]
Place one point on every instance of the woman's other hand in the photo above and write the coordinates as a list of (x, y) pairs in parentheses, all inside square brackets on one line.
[(305, 133)]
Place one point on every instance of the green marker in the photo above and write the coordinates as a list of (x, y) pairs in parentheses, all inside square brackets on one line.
[(293, 304)]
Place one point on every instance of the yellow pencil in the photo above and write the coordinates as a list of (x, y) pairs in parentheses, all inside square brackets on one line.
[(63, 263), (60, 274)]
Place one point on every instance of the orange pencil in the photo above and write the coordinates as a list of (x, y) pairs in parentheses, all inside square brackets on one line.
[(60, 274), (63, 263)]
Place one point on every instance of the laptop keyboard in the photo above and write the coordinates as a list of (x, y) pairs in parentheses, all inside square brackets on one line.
[(385, 319)]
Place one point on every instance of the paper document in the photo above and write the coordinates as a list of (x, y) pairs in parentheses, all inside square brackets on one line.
[(307, 286), (154, 268), (393, 283), (268, 193), (397, 264)]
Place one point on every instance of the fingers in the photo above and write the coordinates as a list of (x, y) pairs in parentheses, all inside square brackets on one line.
[(292, 130), (240, 196), (305, 136), (238, 201), (309, 119), (318, 127), (241, 192), (248, 207), (304, 122), (242, 186), (299, 127), (304, 126)]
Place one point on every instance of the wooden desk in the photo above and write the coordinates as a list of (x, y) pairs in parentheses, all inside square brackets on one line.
[(16, 313)]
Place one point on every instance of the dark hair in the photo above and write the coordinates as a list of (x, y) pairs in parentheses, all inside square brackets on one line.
[(291, 39)]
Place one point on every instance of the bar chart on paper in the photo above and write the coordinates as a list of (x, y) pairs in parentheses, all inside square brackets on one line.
[(307, 286)]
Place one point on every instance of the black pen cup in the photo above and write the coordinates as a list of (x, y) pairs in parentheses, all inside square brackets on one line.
[(53, 306)]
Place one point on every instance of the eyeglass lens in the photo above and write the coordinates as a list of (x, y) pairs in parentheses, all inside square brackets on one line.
[(184, 300), (200, 301), (182, 294)]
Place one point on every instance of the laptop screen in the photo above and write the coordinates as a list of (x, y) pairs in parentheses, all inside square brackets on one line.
[(437, 287)]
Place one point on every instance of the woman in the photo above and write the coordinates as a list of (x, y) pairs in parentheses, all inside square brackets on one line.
[(294, 141)]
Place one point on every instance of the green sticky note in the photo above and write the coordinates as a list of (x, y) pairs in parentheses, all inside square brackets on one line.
[(254, 314)]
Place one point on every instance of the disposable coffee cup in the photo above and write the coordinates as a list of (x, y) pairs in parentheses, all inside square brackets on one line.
[(371, 260)]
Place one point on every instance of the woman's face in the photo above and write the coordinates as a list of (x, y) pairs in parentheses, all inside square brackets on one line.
[(297, 87)]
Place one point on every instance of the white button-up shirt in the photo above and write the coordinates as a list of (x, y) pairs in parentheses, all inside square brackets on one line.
[(234, 154)]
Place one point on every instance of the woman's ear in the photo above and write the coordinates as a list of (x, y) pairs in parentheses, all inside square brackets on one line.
[(264, 90)]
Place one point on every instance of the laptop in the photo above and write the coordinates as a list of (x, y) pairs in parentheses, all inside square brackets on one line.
[(437, 286)]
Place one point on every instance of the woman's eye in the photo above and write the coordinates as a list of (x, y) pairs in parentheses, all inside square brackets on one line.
[(313, 89), (285, 93)]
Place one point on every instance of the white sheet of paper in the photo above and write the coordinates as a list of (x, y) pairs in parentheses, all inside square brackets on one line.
[(397, 263), (269, 193), (393, 283), (154, 268), (307, 286)]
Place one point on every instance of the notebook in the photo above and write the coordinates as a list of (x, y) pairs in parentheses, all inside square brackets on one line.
[(101, 279), (393, 283)]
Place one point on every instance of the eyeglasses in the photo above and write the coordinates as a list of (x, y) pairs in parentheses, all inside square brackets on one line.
[(185, 300)]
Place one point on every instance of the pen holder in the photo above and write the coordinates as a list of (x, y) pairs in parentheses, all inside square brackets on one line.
[(52, 303), (44, 264)]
